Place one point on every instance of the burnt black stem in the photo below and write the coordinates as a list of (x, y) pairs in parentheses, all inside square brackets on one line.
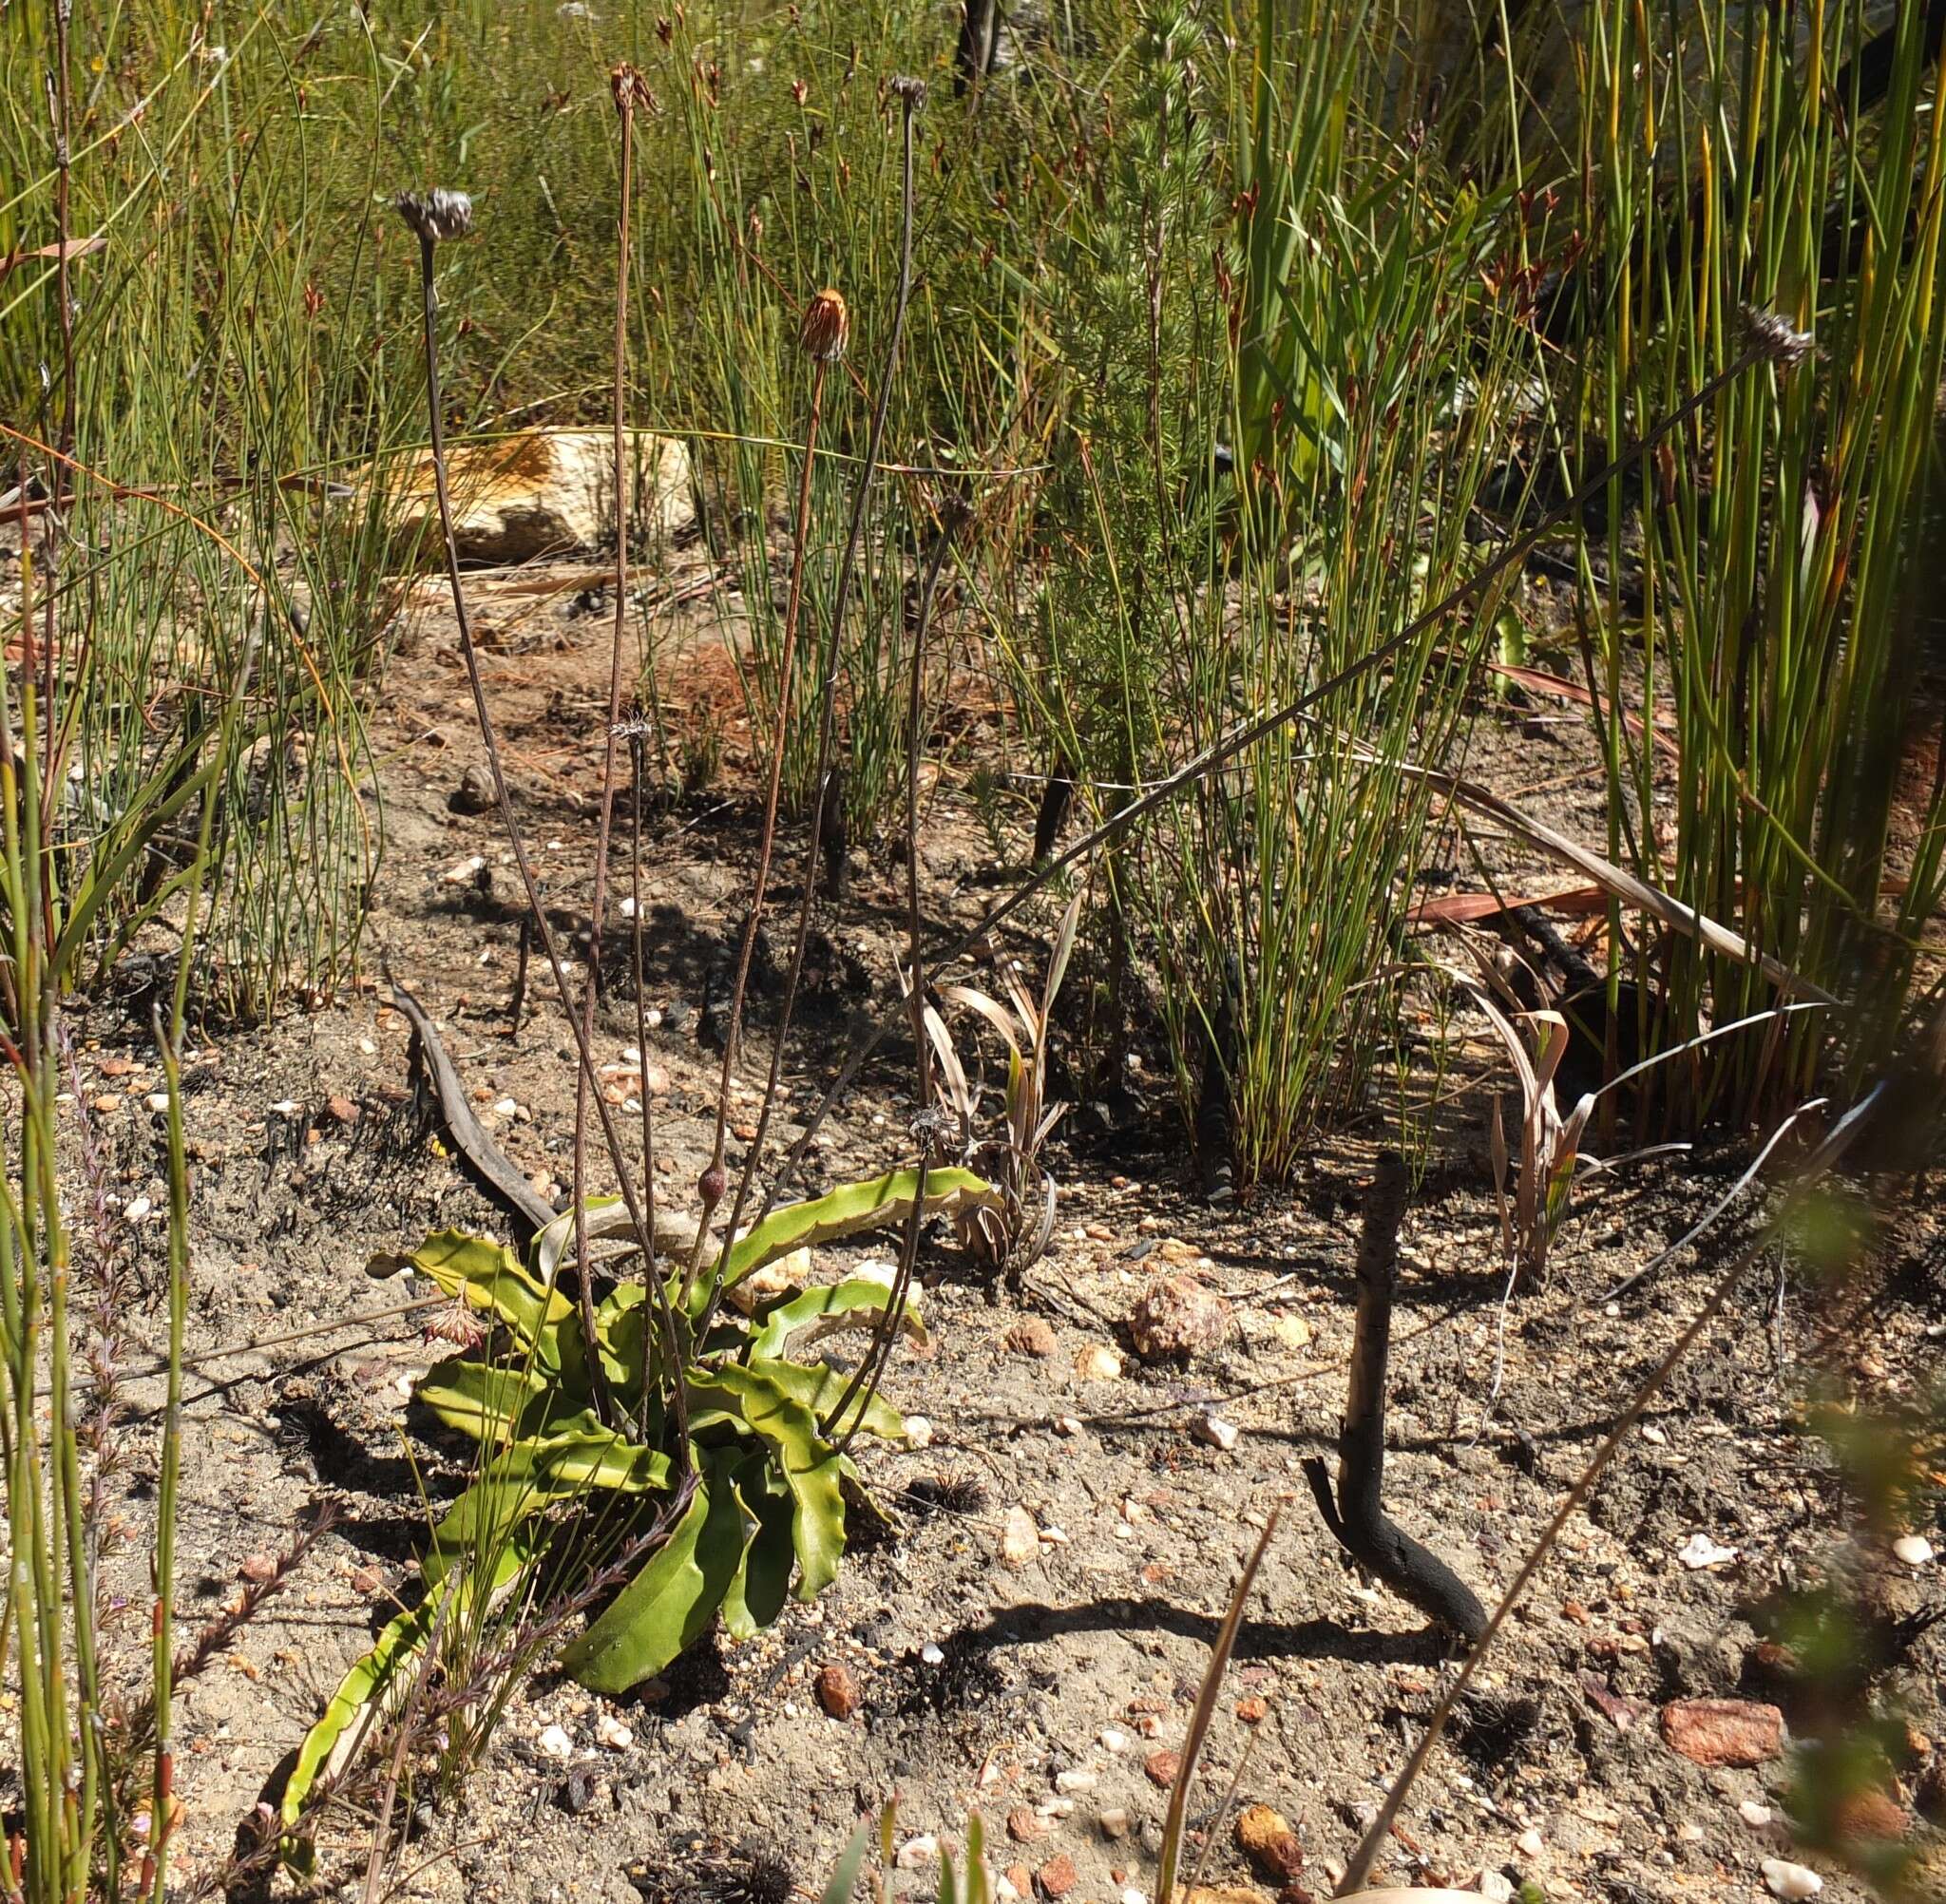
[(1845, 1138), (1358, 1520)]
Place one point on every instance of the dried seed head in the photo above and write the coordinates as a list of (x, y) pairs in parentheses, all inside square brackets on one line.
[(1776, 338), (631, 90), (437, 215), (458, 1324), (908, 91), (827, 325), (710, 1186)]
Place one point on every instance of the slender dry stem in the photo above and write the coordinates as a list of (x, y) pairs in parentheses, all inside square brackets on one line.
[(911, 96), (470, 656), (624, 82)]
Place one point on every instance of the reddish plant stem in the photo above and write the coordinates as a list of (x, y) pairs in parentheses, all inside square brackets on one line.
[(828, 713), (470, 656), (767, 843), (597, 1382)]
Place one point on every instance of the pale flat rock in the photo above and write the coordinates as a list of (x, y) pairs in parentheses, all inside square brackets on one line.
[(543, 492)]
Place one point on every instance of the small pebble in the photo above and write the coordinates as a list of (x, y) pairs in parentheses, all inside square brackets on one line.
[(1216, 1432), (918, 1431), (931, 1654), (1529, 1842), (837, 1690), (612, 1733), (1754, 1815), (1493, 1885), (1114, 1740), (1699, 1551), (1788, 1880), (916, 1852), (555, 1744), (1075, 1780), (1056, 1878), (1914, 1549), (138, 1208)]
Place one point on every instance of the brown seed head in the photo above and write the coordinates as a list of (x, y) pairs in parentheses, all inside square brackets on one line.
[(437, 215), (826, 328), (710, 1186), (631, 90)]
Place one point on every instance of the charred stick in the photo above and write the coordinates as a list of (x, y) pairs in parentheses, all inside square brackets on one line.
[(1359, 1522)]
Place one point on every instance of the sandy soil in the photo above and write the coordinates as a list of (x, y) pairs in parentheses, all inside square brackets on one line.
[(1035, 1694)]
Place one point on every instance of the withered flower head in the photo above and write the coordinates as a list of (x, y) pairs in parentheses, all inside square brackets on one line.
[(908, 91), (1776, 338), (437, 215), (631, 90), (827, 325)]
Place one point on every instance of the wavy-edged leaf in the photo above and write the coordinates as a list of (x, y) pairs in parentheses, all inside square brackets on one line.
[(807, 1463), (851, 1208), (818, 1387), (489, 1401), (762, 1581), (808, 1318), (671, 1601)]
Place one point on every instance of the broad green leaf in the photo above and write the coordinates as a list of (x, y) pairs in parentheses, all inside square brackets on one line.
[(819, 1388), (855, 1303), (670, 1602), (849, 1209), (762, 1581), (808, 1466), (487, 1400), (529, 1477), (487, 1275)]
